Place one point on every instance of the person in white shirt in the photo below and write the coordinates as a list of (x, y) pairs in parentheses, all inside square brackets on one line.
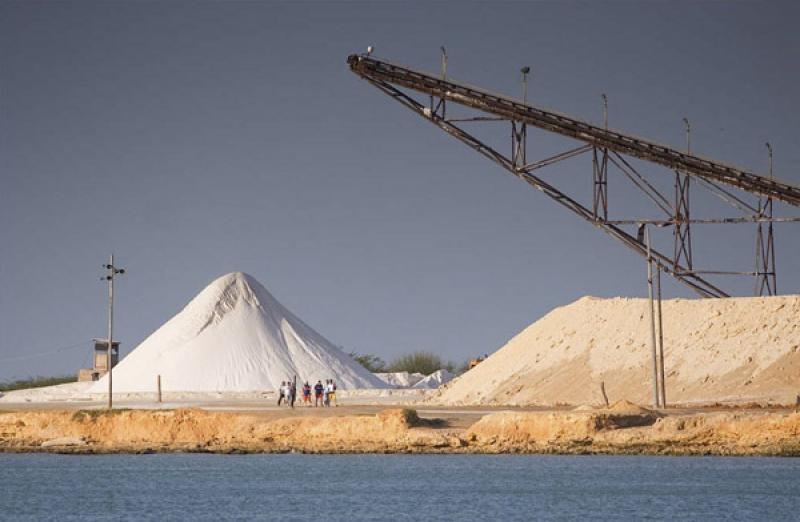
[(332, 393), (281, 391), (327, 401), (288, 393)]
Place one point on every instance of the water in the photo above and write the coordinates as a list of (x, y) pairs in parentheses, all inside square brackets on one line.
[(395, 487)]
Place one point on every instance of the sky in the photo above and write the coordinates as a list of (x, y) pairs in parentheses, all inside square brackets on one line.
[(196, 139)]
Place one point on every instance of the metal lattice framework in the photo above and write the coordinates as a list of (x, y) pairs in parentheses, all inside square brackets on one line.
[(607, 147)]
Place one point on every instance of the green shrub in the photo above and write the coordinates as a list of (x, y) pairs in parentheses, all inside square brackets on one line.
[(36, 382), (417, 362), (372, 363), (80, 415), (410, 416)]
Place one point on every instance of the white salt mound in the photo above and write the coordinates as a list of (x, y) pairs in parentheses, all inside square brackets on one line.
[(435, 379), (234, 337), (57, 392), (727, 350), (400, 379)]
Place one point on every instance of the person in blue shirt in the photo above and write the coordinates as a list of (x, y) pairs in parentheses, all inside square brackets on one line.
[(318, 389)]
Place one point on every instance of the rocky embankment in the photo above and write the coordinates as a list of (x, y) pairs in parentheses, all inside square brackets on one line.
[(622, 429)]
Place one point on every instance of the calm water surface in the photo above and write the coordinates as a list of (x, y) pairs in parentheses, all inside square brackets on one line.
[(396, 488)]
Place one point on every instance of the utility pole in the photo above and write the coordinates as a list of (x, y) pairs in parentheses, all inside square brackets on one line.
[(661, 340), (525, 71), (605, 110), (688, 136), (519, 130), (112, 271), (652, 314)]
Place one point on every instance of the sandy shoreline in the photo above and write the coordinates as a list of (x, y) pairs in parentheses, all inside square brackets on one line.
[(623, 429)]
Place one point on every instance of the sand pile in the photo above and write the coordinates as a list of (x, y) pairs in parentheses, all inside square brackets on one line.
[(626, 407), (716, 350), (234, 337)]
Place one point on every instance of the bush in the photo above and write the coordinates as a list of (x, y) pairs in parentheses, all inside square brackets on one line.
[(410, 416), (372, 363), (93, 415), (35, 382), (418, 362)]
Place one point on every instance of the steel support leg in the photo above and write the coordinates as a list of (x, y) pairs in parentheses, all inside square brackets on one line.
[(682, 253), (600, 184), (766, 279), (519, 142)]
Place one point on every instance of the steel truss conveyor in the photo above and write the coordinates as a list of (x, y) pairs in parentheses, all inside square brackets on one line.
[(607, 147)]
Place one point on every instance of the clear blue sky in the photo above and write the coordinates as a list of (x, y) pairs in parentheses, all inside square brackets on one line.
[(195, 139)]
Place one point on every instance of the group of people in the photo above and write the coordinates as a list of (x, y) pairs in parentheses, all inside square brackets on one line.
[(324, 394)]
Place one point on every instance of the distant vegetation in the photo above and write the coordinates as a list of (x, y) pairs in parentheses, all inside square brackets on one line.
[(372, 363), (35, 382), (81, 415), (416, 362)]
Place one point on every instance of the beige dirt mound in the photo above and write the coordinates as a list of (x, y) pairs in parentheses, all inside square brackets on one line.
[(731, 350), (139, 430), (625, 406), (401, 431), (584, 432)]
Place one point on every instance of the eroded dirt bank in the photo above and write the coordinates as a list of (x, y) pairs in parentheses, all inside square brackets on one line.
[(621, 429)]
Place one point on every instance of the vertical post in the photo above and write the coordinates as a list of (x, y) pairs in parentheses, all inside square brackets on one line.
[(688, 136), (652, 318), (770, 236), (661, 340), (112, 271), (110, 327), (682, 231), (158, 385), (519, 137), (444, 62), (600, 175), (766, 276), (525, 70)]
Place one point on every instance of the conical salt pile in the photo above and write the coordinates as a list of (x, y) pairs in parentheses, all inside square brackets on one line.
[(234, 337)]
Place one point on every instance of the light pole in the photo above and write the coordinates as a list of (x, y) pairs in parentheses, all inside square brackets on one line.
[(525, 70), (769, 148), (688, 136), (112, 271), (663, 390), (605, 110)]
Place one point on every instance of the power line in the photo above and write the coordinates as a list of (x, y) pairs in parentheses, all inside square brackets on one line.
[(39, 354)]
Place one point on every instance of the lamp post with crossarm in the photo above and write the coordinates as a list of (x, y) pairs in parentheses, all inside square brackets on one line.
[(112, 271)]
